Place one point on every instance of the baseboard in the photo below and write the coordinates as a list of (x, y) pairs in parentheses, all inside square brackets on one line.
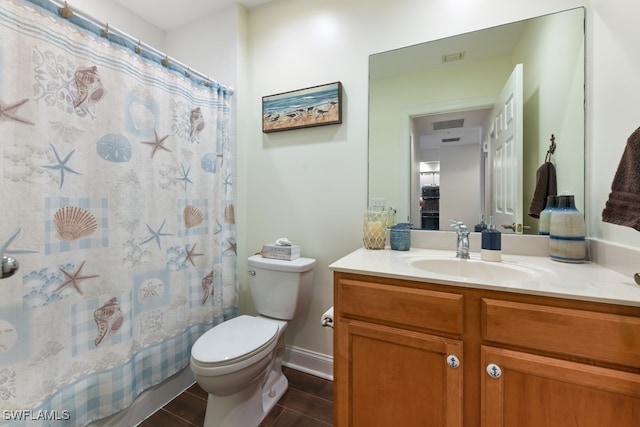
[(149, 401), (309, 362)]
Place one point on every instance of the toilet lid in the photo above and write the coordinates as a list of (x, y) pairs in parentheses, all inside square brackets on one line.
[(234, 339)]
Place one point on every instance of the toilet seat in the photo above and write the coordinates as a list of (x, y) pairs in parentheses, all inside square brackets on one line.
[(234, 340)]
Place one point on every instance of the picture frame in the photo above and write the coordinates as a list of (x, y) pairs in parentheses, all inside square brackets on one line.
[(303, 108)]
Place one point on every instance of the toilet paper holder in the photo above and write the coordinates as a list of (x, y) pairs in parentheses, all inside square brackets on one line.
[(327, 318)]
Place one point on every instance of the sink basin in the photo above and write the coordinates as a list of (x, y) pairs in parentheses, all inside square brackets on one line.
[(477, 269)]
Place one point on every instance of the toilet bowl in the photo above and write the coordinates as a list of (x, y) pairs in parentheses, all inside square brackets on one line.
[(239, 362)]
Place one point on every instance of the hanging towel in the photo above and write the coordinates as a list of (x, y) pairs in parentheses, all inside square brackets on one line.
[(623, 206), (546, 185)]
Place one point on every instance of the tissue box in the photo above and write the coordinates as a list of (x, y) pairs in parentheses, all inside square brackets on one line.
[(288, 253)]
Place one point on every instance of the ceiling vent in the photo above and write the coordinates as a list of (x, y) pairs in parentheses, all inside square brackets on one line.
[(448, 124), (452, 57), (445, 140)]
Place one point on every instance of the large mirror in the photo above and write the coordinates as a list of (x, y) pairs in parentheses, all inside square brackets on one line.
[(459, 127)]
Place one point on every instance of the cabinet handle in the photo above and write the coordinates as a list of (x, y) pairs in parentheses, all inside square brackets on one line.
[(494, 370), (453, 361)]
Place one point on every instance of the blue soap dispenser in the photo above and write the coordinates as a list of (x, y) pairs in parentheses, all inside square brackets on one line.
[(491, 243)]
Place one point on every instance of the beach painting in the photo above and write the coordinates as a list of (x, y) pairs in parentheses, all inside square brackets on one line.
[(314, 106)]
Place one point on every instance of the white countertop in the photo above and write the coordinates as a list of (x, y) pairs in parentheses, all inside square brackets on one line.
[(587, 281)]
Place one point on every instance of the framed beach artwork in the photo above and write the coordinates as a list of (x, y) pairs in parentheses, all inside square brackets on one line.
[(303, 108)]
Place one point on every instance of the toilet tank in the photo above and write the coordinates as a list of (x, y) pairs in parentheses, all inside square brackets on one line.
[(280, 289)]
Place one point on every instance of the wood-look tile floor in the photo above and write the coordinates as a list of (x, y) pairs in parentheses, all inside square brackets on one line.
[(308, 402)]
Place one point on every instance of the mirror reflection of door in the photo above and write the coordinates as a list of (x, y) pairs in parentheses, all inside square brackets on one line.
[(506, 155)]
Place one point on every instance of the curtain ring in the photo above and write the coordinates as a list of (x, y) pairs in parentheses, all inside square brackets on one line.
[(105, 32), (207, 83), (138, 49), (165, 61), (187, 73), (66, 11)]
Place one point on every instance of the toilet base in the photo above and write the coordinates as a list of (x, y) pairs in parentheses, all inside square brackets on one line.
[(249, 406), (273, 390)]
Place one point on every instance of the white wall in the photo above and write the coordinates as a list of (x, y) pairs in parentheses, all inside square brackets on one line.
[(460, 163), (118, 17), (614, 113), (210, 45), (311, 185)]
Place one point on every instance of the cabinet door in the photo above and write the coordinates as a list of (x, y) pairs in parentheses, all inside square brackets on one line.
[(525, 390), (387, 376)]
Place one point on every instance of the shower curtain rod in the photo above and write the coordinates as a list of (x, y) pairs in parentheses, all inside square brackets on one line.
[(68, 12)]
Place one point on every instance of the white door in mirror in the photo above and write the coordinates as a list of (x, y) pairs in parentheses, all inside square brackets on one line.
[(506, 152)]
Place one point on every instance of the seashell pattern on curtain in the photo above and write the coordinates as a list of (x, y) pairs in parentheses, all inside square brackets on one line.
[(117, 191)]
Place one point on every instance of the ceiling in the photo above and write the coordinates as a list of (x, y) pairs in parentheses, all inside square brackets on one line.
[(432, 137), (171, 15), (476, 45)]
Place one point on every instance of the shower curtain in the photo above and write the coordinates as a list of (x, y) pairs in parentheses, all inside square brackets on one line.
[(117, 194)]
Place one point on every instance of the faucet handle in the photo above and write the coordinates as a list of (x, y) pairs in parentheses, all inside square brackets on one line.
[(458, 225)]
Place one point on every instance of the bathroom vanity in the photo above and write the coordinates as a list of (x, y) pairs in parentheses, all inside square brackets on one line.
[(424, 339)]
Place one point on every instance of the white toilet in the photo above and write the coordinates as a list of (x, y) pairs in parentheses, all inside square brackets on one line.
[(239, 362)]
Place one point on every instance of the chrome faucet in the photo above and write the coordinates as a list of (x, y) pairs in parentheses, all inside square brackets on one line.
[(462, 247)]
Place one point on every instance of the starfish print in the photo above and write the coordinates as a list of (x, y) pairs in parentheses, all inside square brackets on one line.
[(190, 254), (74, 278), (8, 112), (62, 165), (4, 249), (157, 144), (232, 247), (185, 177), (156, 234)]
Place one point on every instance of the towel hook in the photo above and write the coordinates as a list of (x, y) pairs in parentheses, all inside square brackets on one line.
[(552, 148)]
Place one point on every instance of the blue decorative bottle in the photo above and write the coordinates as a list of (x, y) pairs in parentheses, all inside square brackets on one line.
[(567, 232), (545, 215)]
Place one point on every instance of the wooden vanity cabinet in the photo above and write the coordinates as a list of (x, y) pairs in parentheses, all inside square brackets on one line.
[(397, 354), (573, 367), (410, 353)]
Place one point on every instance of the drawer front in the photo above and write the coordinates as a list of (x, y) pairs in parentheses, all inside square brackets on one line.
[(399, 305), (599, 336)]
